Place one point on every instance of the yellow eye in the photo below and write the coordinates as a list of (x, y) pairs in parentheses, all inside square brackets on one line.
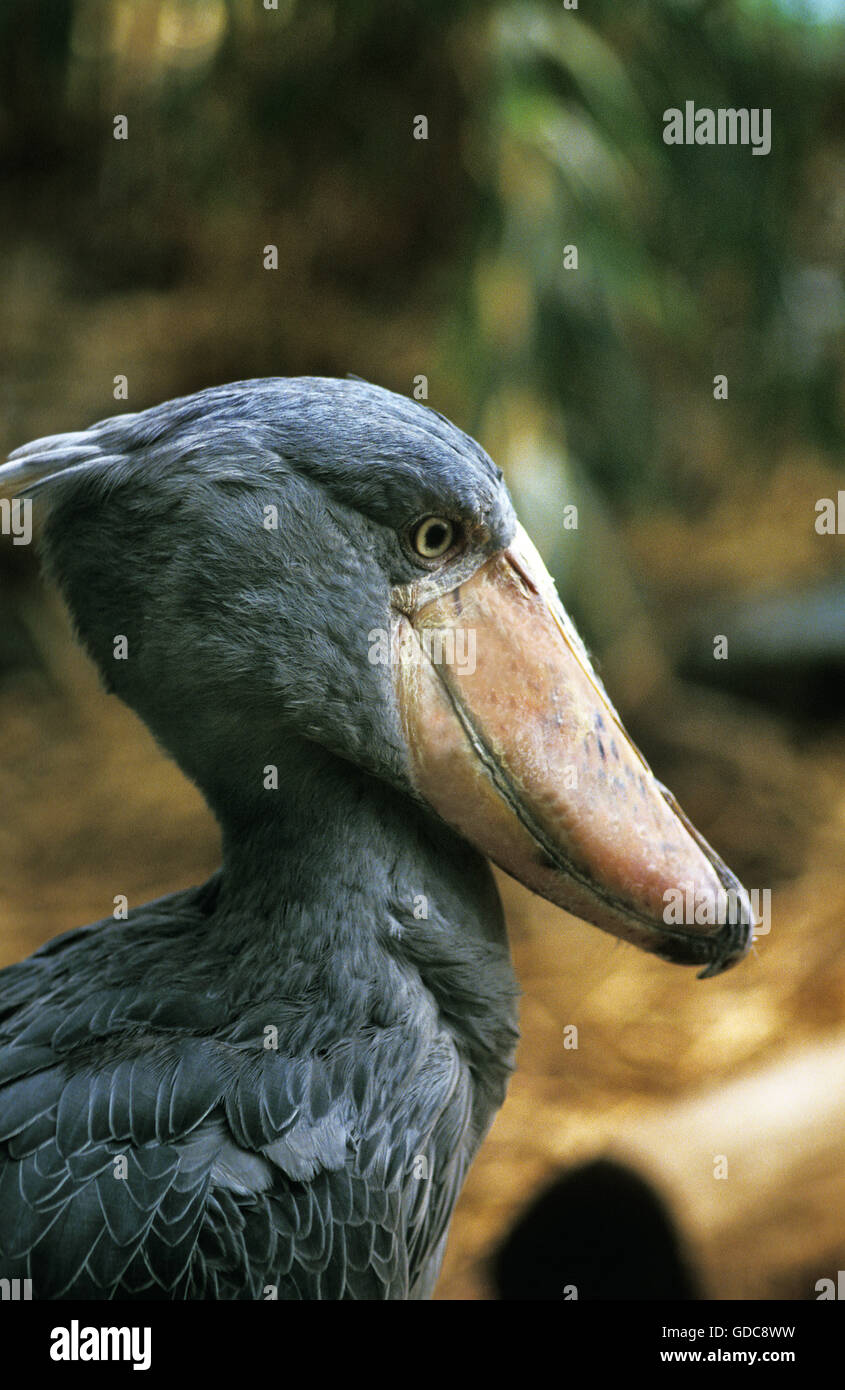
[(434, 536)]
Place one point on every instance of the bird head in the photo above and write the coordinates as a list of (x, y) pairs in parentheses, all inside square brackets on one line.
[(322, 562)]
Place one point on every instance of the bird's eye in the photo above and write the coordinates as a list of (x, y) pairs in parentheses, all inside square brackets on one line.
[(434, 536)]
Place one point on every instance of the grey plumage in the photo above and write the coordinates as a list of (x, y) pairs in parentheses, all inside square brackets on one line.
[(278, 1078)]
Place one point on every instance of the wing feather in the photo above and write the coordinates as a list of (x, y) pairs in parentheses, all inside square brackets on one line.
[(151, 1146)]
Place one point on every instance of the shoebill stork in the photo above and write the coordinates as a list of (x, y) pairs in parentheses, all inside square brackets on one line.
[(274, 1084)]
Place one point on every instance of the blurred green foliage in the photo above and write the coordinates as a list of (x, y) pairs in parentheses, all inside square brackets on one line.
[(250, 125)]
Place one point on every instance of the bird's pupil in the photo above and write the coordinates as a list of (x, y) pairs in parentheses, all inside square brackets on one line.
[(436, 536)]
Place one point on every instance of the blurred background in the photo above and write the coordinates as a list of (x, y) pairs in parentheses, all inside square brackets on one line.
[(593, 387)]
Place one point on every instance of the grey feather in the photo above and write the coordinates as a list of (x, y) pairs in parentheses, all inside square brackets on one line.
[(151, 1143)]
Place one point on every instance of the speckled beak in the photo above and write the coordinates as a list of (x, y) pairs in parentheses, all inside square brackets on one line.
[(514, 742)]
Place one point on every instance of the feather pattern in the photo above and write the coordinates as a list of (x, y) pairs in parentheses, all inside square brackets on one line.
[(271, 1085), (147, 1157)]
